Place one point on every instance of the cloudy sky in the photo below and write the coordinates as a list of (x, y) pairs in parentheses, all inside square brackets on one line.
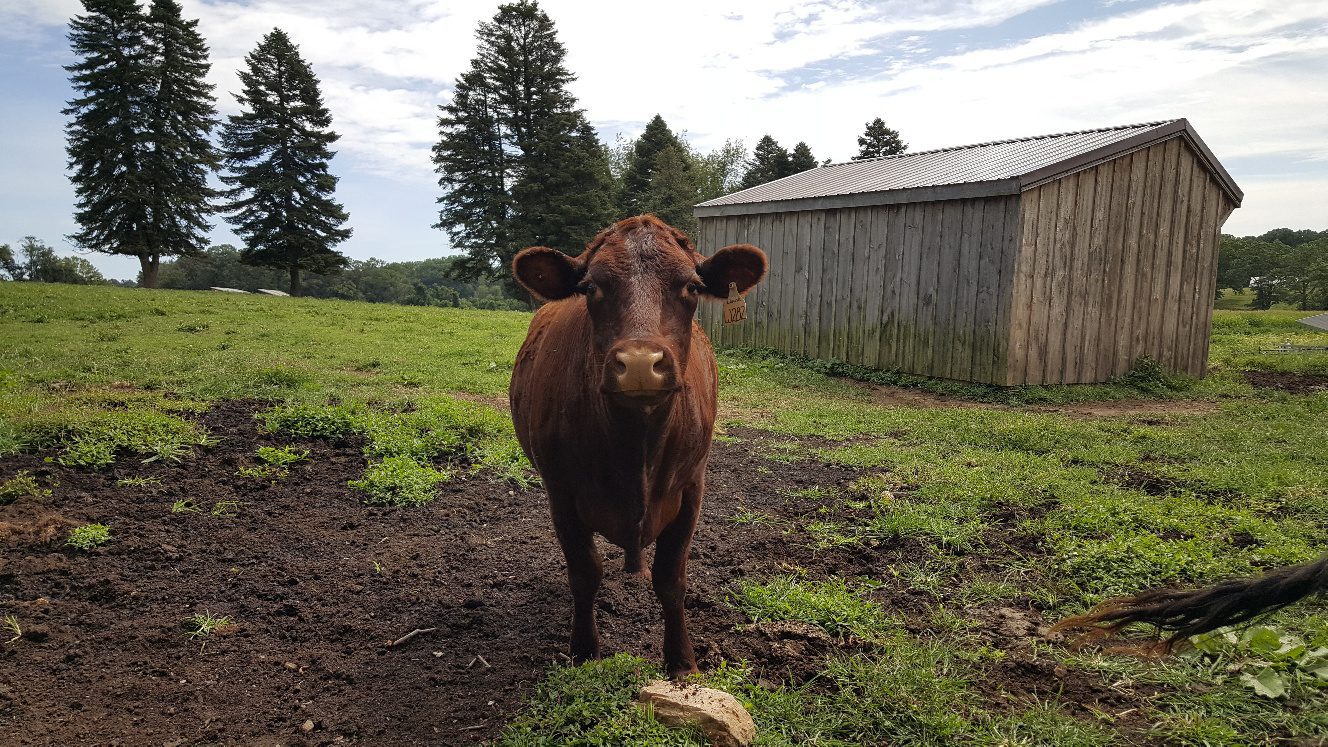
[(1251, 75)]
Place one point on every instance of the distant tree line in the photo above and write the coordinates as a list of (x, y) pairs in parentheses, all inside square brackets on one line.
[(1282, 265), (37, 262), (429, 282)]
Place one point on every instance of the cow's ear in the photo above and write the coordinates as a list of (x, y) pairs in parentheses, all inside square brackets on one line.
[(741, 264), (547, 273)]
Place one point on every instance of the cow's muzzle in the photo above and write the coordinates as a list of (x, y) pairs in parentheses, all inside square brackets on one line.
[(640, 371)]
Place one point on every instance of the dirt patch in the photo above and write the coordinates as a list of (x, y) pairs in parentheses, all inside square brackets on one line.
[(901, 396), (317, 584), (1296, 383)]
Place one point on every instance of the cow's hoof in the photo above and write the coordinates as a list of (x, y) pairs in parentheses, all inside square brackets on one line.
[(683, 671), (581, 655), (639, 577)]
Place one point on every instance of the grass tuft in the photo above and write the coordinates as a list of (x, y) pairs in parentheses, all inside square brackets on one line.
[(830, 605), (593, 704)]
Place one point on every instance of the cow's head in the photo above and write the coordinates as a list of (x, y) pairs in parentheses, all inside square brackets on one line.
[(641, 279)]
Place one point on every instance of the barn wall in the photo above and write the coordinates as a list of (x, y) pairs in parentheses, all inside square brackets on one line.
[(917, 287), (1116, 262)]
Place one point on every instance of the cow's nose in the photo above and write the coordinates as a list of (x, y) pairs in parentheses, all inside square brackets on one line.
[(637, 370)]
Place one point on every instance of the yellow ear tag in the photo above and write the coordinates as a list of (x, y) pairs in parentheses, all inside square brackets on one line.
[(735, 308)]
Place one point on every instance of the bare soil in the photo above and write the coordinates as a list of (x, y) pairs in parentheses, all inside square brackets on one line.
[(1296, 383), (317, 585)]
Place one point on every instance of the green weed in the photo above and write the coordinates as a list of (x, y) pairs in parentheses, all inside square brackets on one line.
[(11, 624), (284, 456), (138, 482), (184, 506), (22, 485), (399, 481), (89, 536), (226, 508), (262, 472), (203, 624)]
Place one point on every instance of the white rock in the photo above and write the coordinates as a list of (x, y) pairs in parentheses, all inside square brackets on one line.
[(717, 714)]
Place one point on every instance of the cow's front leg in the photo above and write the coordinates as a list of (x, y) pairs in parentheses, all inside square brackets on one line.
[(670, 582), (584, 572)]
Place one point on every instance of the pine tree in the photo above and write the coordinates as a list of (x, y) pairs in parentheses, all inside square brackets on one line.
[(277, 153), (878, 140), (472, 165), (769, 162), (105, 138), (801, 159), (514, 156), (139, 137), (564, 195), (673, 188), (179, 118), (641, 165)]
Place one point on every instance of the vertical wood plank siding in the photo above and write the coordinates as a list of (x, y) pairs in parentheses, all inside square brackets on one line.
[(1068, 282), (1139, 283)]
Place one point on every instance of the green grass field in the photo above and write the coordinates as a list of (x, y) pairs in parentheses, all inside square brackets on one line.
[(1215, 478)]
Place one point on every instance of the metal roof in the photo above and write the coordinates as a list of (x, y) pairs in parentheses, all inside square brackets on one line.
[(1318, 321), (980, 170)]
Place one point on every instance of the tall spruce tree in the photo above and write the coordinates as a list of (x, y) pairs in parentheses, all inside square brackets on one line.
[(179, 118), (801, 158), (139, 135), (276, 154), (642, 162), (673, 188), (514, 158), (105, 136), (878, 140), (769, 162)]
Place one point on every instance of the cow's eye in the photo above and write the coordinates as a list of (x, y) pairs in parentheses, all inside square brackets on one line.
[(586, 289), (694, 288)]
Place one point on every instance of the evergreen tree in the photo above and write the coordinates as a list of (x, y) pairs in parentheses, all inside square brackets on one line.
[(673, 188), (138, 139), (564, 194), (878, 140), (769, 162), (105, 137), (641, 165), (277, 153), (178, 118), (514, 155), (472, 165), (801, 159)]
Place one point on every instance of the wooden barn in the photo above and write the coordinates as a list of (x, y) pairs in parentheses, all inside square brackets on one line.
[(1042, 260)]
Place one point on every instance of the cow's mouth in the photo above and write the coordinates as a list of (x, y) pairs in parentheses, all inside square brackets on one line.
[(641, 397)]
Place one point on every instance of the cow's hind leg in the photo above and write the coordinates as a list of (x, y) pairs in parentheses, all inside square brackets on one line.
[(670, 582), (584, 572)]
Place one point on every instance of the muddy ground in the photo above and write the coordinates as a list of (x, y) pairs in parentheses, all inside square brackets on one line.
[(318, 584)]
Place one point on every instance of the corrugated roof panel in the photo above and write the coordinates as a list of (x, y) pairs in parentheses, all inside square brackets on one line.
[(959, 165)]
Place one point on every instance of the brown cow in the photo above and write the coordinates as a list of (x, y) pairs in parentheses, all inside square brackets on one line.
[(613, 397)]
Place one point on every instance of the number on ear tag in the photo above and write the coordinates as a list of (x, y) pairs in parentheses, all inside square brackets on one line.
[(735, 308)]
